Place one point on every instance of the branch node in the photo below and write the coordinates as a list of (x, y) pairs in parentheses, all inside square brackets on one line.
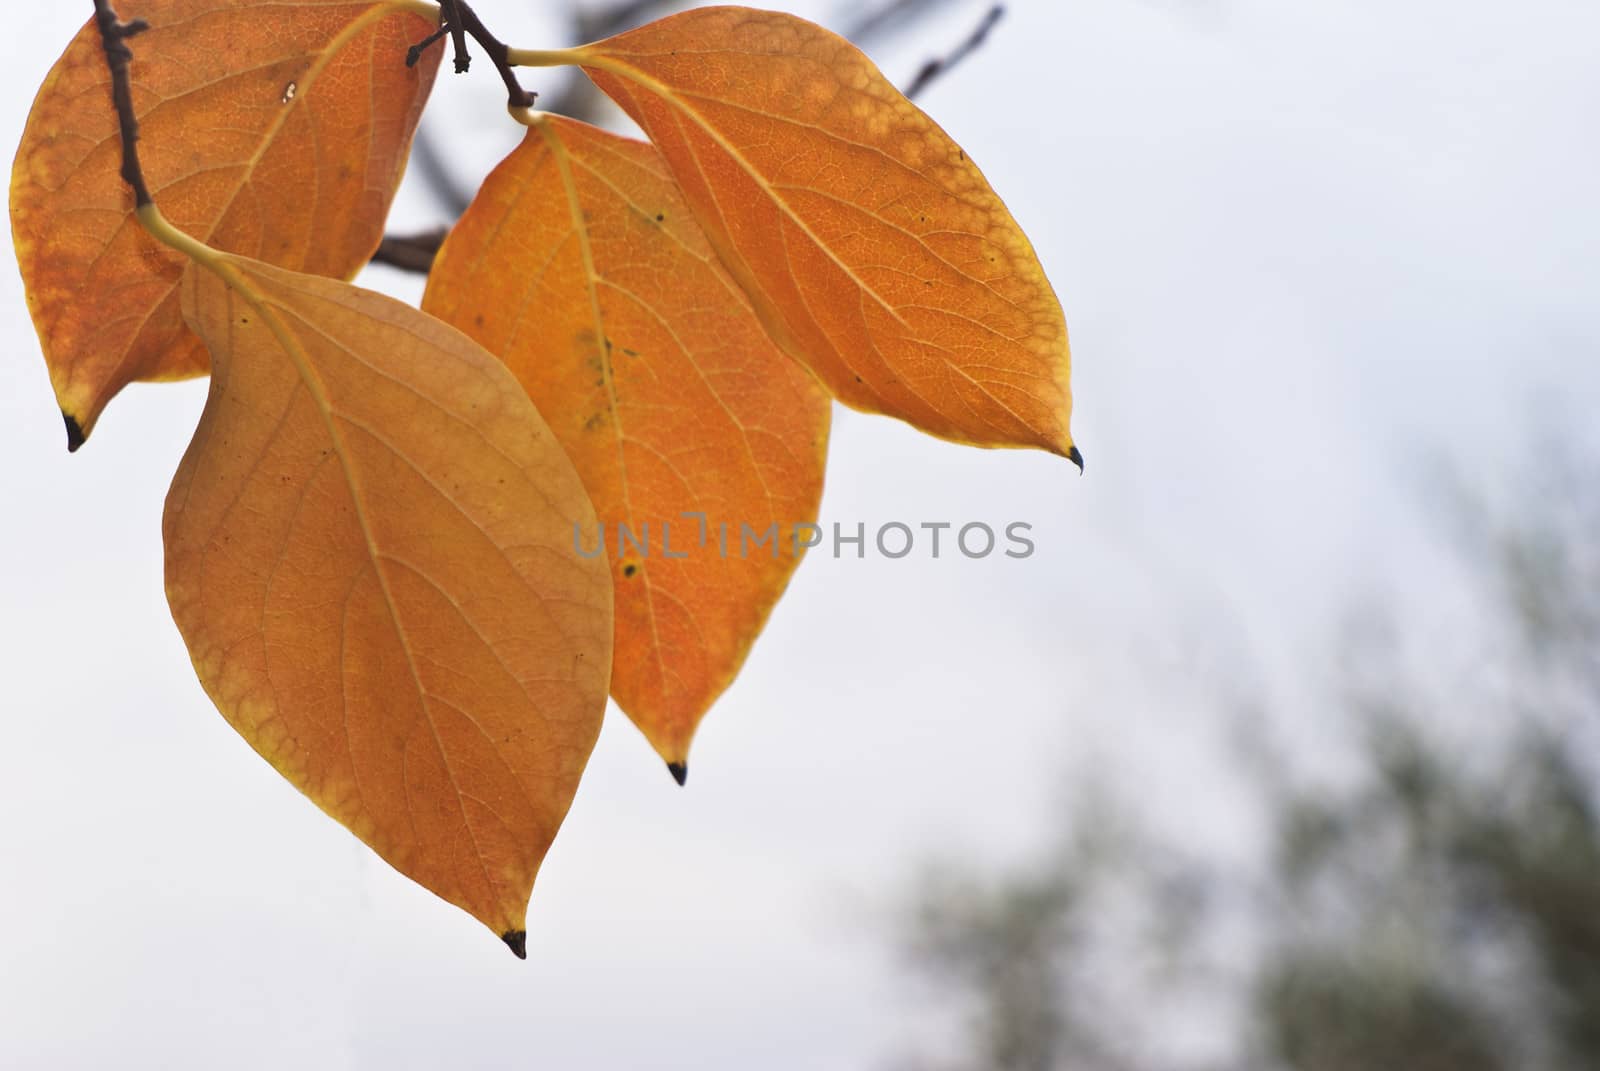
[(450, 15)]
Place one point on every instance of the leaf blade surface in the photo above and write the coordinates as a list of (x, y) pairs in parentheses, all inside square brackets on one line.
[(273, 130), (581, 267), (368, 556), (873, 248)]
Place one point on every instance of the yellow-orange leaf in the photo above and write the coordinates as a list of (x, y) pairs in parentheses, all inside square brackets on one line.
[(581, 267), (277, 130), (873, 248), (369, 555)]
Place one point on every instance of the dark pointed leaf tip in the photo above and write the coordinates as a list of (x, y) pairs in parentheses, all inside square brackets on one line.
[(679, 771), (517, 941), (75, 435), (1075, 456)]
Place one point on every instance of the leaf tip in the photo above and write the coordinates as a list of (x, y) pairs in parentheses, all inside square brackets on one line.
[(517, 941), (679, 772), (1075, 456), (75, 433)]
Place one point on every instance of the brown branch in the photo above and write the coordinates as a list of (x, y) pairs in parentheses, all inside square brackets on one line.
[(438, 177), (937, 68), (500, 53), (114, 34), (450, 15), (414, 252), (463, 22)]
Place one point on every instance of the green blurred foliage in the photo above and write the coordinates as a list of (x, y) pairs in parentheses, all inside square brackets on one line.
[(1438, 911)]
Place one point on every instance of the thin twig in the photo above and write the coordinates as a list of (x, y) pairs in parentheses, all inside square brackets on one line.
[(114, 34), (889, 19), (414, 252), (625, 16), (414, 53), (464, 22), (936, 68)]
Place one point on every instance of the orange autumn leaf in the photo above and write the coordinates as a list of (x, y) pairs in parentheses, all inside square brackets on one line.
[(581, 267), (369, 556), (277, 130), (874, 250)]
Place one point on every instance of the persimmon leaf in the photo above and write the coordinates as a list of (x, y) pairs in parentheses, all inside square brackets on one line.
[(582, 268), (873, 248), (276, 129), (368, 553)]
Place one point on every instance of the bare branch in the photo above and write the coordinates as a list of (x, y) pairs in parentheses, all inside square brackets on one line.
[(463, 22), (114, 34), (890, 19), (438, 177), (411, 252), (450, 15), (937, 68), (497, 51), (596, 26)]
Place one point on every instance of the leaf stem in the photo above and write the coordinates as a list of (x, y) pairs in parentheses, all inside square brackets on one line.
[(153, 221), (544, 57)]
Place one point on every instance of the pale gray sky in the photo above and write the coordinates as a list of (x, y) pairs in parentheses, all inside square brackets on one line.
[(1297, 243)]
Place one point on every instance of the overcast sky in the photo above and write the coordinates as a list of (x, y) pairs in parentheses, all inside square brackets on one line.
[(1302, 248)]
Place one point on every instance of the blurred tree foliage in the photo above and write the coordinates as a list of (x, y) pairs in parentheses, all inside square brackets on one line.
[(1438, 912)]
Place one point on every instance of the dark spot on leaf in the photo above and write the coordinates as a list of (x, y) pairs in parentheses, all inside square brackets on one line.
[(477, 320), (630, 570), (661, 217)]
